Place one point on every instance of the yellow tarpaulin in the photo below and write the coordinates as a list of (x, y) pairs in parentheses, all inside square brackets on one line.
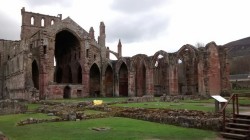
[(97, 102)]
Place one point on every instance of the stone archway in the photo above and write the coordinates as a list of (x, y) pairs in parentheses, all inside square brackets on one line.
[(108, 85), (66, 47), (140, 80), (187, 71), (123, 80), (35, 75), (67, 92), (94, 85)]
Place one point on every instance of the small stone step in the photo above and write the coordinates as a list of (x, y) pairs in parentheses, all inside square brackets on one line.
[(238, 130), (246, 121), (239, 124), (232, 135), (242, 116)]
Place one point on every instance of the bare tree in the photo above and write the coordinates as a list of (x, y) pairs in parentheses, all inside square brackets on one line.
[(199, 44)]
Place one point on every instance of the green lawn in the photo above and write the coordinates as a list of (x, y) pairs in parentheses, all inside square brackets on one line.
[(120, 128), (32, 107)]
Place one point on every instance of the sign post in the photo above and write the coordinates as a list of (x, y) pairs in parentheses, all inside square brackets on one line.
[(219, 100)]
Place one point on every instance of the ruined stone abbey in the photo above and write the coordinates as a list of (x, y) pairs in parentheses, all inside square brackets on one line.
[(56, 58)]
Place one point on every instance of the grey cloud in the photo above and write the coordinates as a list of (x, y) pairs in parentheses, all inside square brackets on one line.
[(135, 6), (10, 29), (132, 30), (37, 3)]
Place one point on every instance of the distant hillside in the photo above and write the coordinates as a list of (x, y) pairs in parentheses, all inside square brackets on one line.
[(239, 47)]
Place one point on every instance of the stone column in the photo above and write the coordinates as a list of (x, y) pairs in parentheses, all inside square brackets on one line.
[(85, 83), (131, 84), (51, 55), (173, 79), (103, 94), (116, 85), (201, 84), (149, 82)]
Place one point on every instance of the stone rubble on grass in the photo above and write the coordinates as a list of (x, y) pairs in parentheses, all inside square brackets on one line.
[(12, 107)]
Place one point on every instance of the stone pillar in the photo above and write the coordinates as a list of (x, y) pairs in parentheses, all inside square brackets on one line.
[(173, 79), (201, 83), (43, 73), (51, 56), (103, 94), (131, 84), (42, 81), (116, 85), (149, 82), (85, 83)]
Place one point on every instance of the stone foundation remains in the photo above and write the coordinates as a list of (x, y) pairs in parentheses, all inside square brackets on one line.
[(12, 107)]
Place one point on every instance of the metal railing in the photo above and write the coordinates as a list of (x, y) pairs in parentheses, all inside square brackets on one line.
[(235, 102)]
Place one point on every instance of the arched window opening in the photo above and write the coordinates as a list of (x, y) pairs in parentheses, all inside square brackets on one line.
[(52, 22), (66, 92), (179, 61), (42, 22), (54, 61), (108, 82), (187, 72), (66, 45), (18, 65), (94, 81), (87, 53), (32, 21), (123, 80), (44, 49), (35, 74), (140, 79)]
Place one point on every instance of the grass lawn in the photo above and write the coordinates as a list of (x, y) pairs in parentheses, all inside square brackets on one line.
[(120, 128)]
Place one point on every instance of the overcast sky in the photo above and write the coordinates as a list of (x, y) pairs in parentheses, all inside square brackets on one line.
[(144, 26)]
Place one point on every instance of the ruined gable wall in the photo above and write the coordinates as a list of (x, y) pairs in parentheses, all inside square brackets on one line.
[(32, 22)]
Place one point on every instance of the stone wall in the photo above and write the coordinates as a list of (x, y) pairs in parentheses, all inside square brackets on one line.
[(58, 91)]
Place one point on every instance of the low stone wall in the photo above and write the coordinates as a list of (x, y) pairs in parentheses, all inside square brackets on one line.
[(12, 107), (168, 98), (145, 98), (184, 118)]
